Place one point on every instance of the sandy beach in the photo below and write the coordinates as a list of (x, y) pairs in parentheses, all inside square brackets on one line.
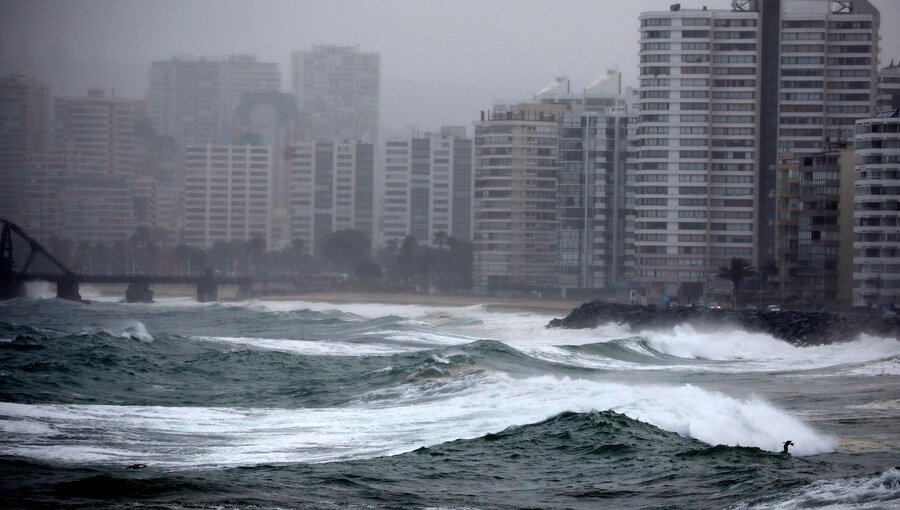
[(550, 306), (555, 307)]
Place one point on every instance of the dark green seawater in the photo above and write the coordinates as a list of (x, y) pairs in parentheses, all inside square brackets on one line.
[(309, 405)]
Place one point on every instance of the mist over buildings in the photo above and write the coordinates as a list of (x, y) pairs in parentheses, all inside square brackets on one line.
[(285, 122), (441, 61)]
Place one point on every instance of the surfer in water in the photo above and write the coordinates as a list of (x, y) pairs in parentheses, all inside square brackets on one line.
[(786, 445)]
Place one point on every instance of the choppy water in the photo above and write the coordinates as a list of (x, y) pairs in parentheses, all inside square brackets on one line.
[(312, 405)]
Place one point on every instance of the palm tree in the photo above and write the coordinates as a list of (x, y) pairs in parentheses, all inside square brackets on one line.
[(736, 272), (440, 239)]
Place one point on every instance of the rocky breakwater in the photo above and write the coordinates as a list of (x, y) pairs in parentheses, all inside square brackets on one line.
[(799, 328)]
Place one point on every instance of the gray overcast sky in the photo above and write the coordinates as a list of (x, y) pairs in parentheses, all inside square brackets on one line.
[(442, 61)]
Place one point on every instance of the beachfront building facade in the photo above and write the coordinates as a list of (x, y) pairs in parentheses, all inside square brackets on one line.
[(98, 130), (595, 200), (515, 225), (427, 186), (825, 228), (876, 246), (828, 68), (723, 93), (696, 182), (332, 187), (227, 193)]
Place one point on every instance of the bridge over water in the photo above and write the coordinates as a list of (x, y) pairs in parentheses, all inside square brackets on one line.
[(12, 281)]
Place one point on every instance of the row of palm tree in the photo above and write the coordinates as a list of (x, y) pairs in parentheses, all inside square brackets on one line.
[(739, 269)]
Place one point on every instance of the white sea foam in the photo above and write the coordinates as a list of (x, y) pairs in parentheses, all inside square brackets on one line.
[(92, 293), (560, 355), (315, 348), (723, 351), (361, 310), (759, 351), (432, 338), (191, 437), (875, 368), (875, 492), (25, 427)]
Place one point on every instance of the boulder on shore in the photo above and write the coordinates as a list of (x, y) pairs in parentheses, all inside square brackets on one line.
[(796, 327)]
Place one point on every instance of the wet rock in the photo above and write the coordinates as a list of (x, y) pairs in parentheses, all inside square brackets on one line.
[(797, 327)]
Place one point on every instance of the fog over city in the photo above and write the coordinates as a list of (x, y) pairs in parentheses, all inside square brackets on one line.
[(441, 62), (459, 254)]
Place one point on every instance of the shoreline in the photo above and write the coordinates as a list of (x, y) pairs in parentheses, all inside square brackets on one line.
[(505, 304), (556, 307)]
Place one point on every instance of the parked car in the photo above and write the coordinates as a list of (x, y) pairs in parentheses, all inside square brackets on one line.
[(774, 308)]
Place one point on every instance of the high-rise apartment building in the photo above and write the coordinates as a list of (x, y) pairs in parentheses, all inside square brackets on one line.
[(227, 193), (876, 260), (723, 93), (98, 130), (697, 135), (595, 200), (51, 197), (554, 190), (337, 90), (889, 88), (193, 99), (819, 61), (516, 167), (827, 69), (595, 189), (816, 228), (24, 119), (427, 186), (332, 188)]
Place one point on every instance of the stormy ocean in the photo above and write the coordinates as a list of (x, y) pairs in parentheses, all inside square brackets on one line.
[(268, 404)]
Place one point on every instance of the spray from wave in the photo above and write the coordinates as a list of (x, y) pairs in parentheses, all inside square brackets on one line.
[(136, 331), (39, 290)]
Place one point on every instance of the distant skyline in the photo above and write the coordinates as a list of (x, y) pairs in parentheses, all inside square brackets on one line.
[(442, 62)]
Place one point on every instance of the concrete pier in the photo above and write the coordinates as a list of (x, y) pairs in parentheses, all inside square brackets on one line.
[(138, 292), (67, 288), (207, 287)]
